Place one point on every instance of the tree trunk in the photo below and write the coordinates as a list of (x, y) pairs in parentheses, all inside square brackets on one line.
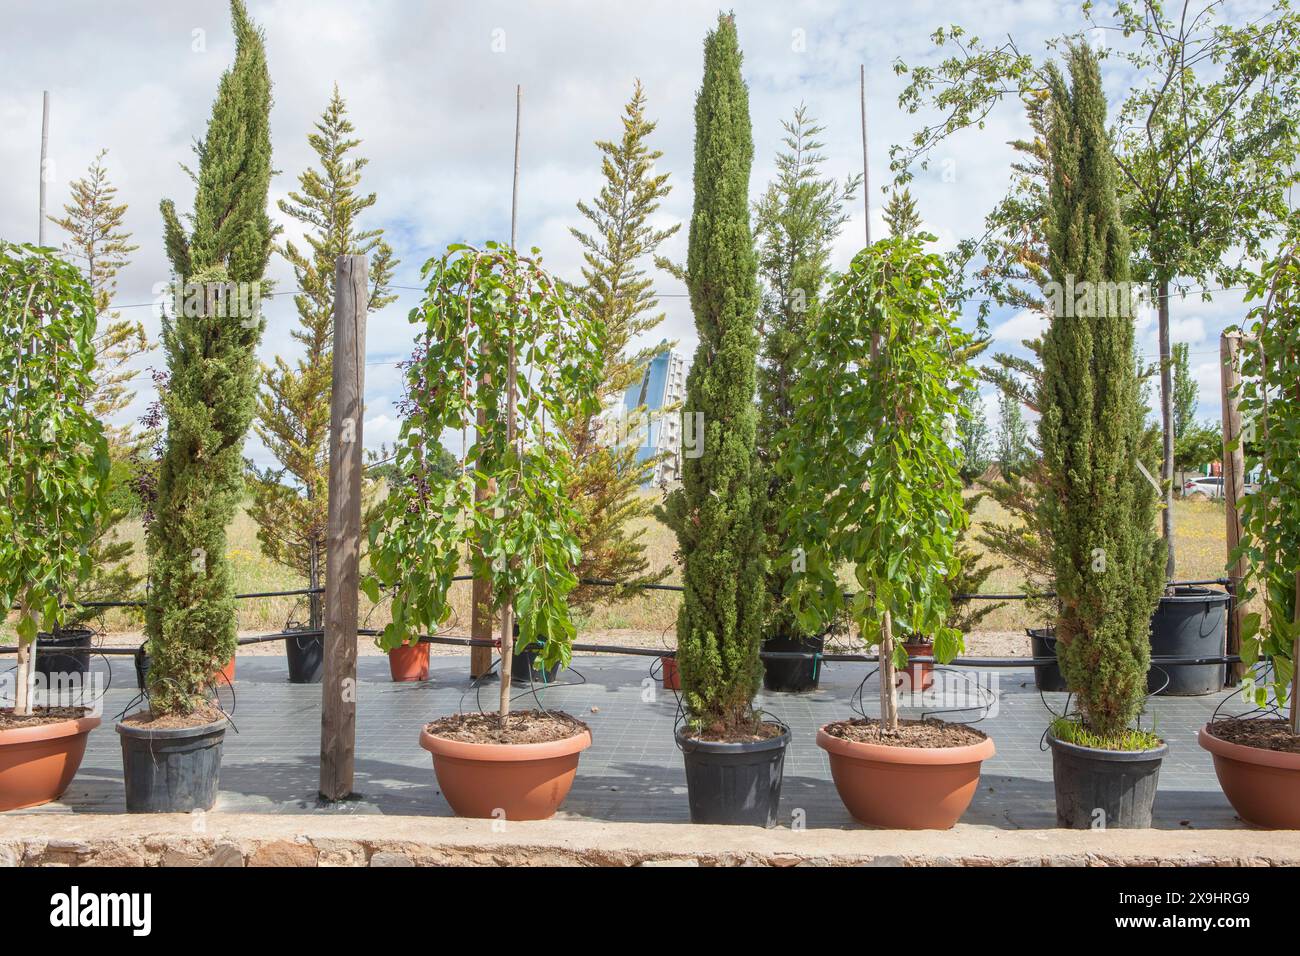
[(26, 673), (888, 693), (1167, 423)]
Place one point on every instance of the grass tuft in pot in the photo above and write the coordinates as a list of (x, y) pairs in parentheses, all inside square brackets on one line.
[(501, 350)]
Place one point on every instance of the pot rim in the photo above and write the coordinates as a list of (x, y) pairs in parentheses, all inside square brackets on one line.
[(171, 733), (71, 727), (1195, 594), (504, 753), (1245, 754), (1114, 756), (694, 744), (915, 756)]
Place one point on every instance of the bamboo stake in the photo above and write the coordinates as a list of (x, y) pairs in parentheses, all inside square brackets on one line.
[(45, 148)]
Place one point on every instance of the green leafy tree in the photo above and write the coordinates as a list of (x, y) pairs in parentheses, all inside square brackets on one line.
[(796, 222), (293, 409), (1204, 144), (53, 454), (607, 478), (902, 215), (99, 243), (1013, 437), (209, 397), (1270, 394), (717, 513), (972, 435), (879, 384), (1099, 507)]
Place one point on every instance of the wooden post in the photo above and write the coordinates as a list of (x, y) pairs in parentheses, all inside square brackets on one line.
[(1234, 479), (343, 542), (45, 149)]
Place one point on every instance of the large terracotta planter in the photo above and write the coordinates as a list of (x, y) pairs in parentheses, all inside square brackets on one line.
[(410, 662), (37, 763), (905, 788), (1263, 786), (506, 781)]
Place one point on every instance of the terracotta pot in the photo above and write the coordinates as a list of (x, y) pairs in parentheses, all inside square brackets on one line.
[(410, 662), (919, 675), (225, 676), (220, 678), (672, 675), (507, 781), (37, 763), (905, 788), (1263, 786)]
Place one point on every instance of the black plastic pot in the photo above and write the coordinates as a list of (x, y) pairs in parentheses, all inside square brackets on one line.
[(1104, 789), (736, 783), (1190, 623), (63, 653), (524, 669), (306, 658), (793, 675), (1042, 643), (171, 771), (141, 667)]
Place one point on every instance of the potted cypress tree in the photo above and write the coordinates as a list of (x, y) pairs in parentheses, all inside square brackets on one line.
[(171, 752), (496, 334), (879, 389), (1257, 760), (53, 476), (734, 759), (1097, 506)]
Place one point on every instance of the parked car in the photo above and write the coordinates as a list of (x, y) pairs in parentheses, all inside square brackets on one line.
[(1211, 487)]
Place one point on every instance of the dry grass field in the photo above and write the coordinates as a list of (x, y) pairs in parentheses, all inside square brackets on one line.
[(649, 618)]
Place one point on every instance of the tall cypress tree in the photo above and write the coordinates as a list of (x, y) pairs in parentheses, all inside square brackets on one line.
[(293, 409), (717, 512), (1096, 504), (212, 379), (605, 483)]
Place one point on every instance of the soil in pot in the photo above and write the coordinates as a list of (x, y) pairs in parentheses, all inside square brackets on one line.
[(731, 780), (521, 772), (1258, 766), (1190, 623), (171, 762), (1047, 677), (1104, 789), (919, 777), (40, 754), (410, 662), (793, 675)]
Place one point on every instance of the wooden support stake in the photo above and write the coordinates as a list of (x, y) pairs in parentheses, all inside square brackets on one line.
[(343, 542), (1234, 479)]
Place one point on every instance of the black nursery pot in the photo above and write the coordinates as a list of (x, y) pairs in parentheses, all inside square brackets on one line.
[(1047, 677), (173, 770), (63, 653), (734, 783), (524, 668), (793, 675), (1190, 623), (1104, 789), (142, 660), (306, 658)]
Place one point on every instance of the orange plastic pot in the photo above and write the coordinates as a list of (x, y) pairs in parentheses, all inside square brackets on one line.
[(410, 662), (672, 675), (1263, 786), (505, 781), (918, 675), (226, 675), (37, 763), (905, 788)]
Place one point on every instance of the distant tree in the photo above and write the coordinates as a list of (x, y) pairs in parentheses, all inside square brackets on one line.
[(1013, 451), (293, 406), (901, 214), (1196, 443), (972, 434), (606, 478)]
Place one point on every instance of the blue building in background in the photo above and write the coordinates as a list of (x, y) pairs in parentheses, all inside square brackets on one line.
[(662, 385)]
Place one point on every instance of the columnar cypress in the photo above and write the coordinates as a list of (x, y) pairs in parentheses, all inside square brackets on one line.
[(212, 381), (717, 513), (1097, 505)]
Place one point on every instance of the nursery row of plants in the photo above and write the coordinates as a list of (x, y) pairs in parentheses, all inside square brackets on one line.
[(829, 447)]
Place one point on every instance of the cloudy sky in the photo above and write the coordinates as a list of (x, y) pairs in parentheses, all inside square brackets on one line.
[(430, 87)]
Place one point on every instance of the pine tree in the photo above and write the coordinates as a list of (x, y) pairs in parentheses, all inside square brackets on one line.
[(209, 396), (796, 222), (717, 513), (606, 478), (99, 243), (293, 408), (1098, 506)]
